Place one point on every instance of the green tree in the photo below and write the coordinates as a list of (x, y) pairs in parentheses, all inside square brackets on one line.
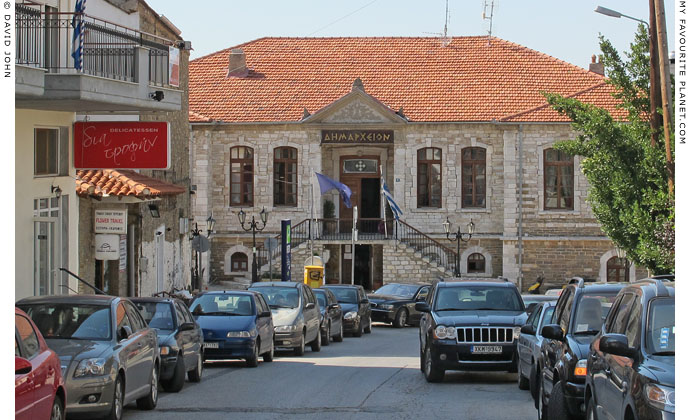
[(627, 176)]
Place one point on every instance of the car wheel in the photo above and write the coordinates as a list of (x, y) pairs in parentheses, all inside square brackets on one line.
[(367, 329), (523, 383), (542, 409), (557, 409), (299, 350), (149, 402), (253, 360), (58, 410), (339, 337), (360, 329), (400, 318), (316, 344), (175, 383), (268, 356), (432, 372), (326, 338), (195, 375), (118, 400), (591, 411)]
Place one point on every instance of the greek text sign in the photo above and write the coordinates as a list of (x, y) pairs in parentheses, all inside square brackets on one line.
[(356, 136), (121, 145), (107, 247), (110, 221)]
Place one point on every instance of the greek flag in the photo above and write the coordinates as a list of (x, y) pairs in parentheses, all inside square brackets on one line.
[(78, 34), (326, 184), (389, 197)]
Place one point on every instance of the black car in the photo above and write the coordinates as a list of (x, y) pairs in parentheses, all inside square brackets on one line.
[(179, 340), (531, 301), (580, 311), (331, 316), (631, 365), (470, 325), (356, 307), (394, 303)]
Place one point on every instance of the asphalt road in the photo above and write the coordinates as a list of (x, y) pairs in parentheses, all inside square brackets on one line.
[(376, 376)]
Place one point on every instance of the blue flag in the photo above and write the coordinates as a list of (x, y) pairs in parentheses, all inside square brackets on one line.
[(78, 34), (326, 184), (389, 197)]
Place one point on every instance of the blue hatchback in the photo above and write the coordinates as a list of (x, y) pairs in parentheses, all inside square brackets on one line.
[(236, 325)]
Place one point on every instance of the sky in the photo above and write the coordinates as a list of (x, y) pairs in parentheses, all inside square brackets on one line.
[(568, 30)]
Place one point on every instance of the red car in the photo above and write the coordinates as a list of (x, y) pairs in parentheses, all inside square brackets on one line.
[(39, 390)]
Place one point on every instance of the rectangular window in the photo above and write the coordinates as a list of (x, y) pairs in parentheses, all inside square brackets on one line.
[(429, 177), (558, 180), (46, 148), (285, 176), (473, 177), (241, 176)]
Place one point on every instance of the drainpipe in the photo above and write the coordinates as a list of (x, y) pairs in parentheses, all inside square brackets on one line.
[(520, 182), (131, 229)]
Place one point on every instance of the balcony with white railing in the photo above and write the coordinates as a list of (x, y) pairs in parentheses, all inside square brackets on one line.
[(121, 69)]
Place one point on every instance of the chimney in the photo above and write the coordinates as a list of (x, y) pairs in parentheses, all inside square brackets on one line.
[(237, 64), (596, 66)]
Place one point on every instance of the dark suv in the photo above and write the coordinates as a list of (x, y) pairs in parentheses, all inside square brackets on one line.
[(562, 365), (631, 365), (470, 325)]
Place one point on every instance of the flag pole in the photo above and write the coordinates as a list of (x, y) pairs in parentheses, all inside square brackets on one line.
[(354, 233), (383, 205), (312, 224)]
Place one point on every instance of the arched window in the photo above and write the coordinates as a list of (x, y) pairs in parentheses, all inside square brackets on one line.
[(429, 177), (239, 261), (241, 176), (476, 263), (285, 176), (558, 180), (617, 269), (473, 177)]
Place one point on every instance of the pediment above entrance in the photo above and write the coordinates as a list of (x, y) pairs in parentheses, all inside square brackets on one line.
[(357, 107)]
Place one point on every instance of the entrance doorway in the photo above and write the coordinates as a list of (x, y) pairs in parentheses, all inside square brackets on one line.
[(361, 174), (363, 266)]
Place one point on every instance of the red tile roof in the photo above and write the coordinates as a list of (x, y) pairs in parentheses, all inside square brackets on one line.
[(102, 182), (468, 80)]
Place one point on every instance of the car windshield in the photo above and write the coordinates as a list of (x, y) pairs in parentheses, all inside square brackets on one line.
[(402, 290), (321, 298), (226, 304), (345, 294), (71, 321), (591, 311), (661, 326), (279, 297), (472, 298), (157, 314)]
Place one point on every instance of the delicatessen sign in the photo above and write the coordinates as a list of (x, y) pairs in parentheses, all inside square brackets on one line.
[(121, 145)]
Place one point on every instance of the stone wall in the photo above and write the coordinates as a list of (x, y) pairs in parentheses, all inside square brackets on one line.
[(402, 265)]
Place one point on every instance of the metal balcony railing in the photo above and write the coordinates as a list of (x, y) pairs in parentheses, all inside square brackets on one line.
[(45, 40)]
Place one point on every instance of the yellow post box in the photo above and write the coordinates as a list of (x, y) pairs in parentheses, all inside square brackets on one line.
[(313, 276)]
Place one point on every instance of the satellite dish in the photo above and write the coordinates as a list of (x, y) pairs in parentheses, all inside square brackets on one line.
[(200, 244)]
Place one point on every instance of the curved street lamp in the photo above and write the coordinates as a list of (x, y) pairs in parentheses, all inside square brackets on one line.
[(253, 227), (210, 224), (458, 237)]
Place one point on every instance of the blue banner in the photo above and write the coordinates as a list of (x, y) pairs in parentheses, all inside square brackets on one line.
[(285, 254), (326, 184)]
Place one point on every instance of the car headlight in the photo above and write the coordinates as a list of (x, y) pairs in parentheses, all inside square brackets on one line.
[(240, 334), (387, 307), (90, 367), (661, 397), (443, 332), (581, 368), (351, 315), (516, 333), (285, 328)]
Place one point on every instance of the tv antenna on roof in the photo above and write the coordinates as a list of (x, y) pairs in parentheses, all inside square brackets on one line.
[(445, 39), (490, 17)]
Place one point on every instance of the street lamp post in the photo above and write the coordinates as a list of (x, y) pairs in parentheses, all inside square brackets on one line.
[(196, 232), (459, 237), (253, 227)]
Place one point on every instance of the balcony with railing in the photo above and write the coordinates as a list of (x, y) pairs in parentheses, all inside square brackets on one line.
[(120, 69)]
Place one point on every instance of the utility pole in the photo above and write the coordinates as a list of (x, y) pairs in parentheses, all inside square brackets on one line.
[(654, 89), (665, 70)]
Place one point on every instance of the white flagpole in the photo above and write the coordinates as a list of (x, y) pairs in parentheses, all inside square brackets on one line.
[(354, 233), (313, 224), (383, 205)]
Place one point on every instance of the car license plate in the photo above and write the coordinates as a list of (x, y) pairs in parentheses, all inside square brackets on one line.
[(210, 345), (486, 349)]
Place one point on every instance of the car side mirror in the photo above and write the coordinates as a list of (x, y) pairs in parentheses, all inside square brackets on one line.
[(187, 326), (364, 301), (420, 299), (21, 366), (124, 332), (264, 314), (422, 307), (616, 344), (552, 331), (527, 329), (310, 305), (333, 306)]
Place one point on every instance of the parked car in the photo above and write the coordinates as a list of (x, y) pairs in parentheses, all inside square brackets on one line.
[(529, 345), (553, 292), (531, 301), (108, 354), (356, 307), (236, 325), (631, 365), (331, 316), (39, 389), (470, 325), (296, 318), (180, 340), (394, 303), (579, 314)]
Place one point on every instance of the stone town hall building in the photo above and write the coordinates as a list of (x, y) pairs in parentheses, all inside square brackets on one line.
[(460, 131)]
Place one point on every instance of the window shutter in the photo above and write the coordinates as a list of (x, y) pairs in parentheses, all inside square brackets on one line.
[(63, 151)]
